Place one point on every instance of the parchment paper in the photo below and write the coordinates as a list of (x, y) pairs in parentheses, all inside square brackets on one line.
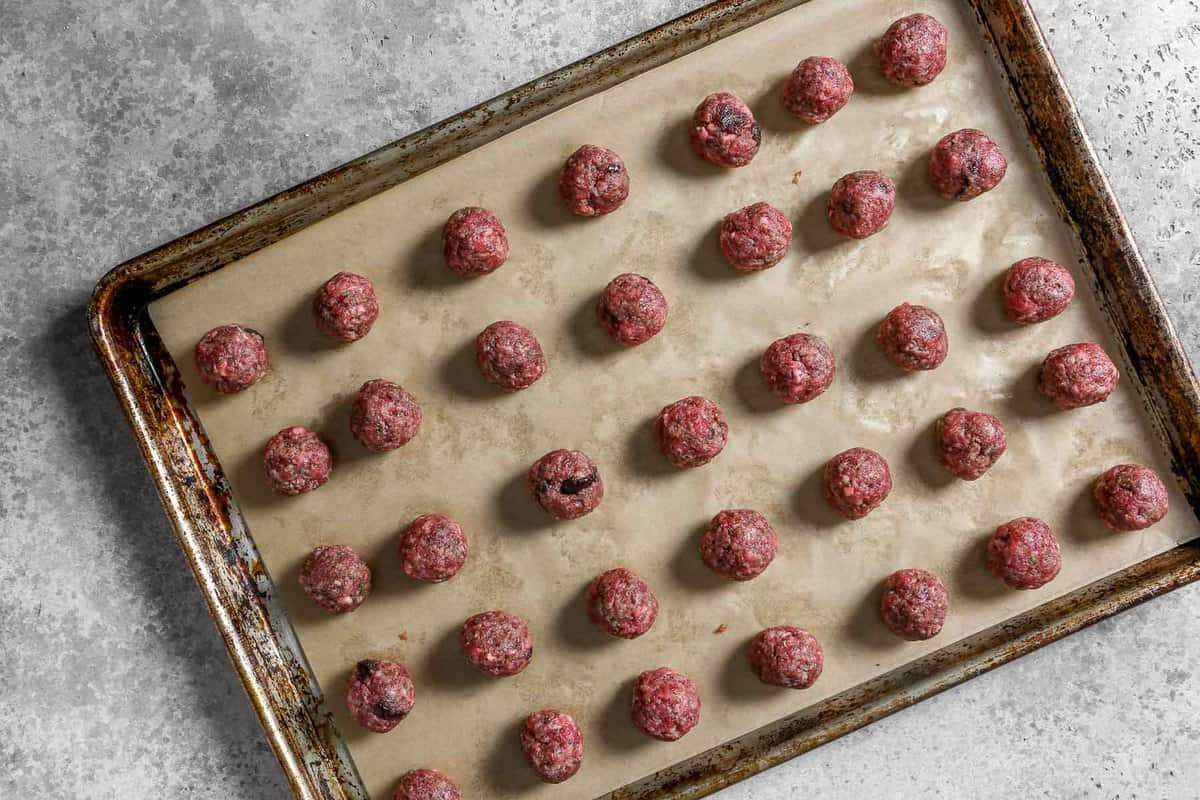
[(470, 458)]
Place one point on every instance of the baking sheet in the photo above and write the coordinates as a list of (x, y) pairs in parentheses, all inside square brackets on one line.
[(470, 458)]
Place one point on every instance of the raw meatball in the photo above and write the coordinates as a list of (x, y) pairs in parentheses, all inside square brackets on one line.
[(1036, 289), (724, 131), (594, 181), (621, 604), (914, 604), (335, 578), (433, 548), (817, 89), (385, 416), (914, 337), (379, 694), (1078, 375), (553, 745), (738, 544), (666, 704), (1130, 497), (756, 237), (1024, 553), (965, 164), (861, 203), (691, 432), (509, 355), (497, 643), (912, 51), (798, 368), (632, 309), (296, 461), (346, 307), (230, 358), (474, 242), (787, 656), (426, 784), (856, 482), (566, 484), (969, 442)]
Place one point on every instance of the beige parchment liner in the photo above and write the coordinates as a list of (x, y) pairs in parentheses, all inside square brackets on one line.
[(470, 458)]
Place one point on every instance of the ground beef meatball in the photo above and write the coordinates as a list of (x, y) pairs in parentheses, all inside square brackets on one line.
[(965, 164), (497, 643), (509, 356), (335, 578), (969, 442), (594, 181), (553, 745), (798, 368), (738, 544), (474, 242), (787, 656), (426, 784), (346, 307), (914, 604), (817, 89), (755, 238), (691, 432), (566, 484), (912, 51), (632, 309), (1024, 553), (433, 548), (1130, 497), (724, 131), (666, 704), (914, 337), (621, 604), (296, 461), (1036, 289), (385, 416), (231, 358), (861, 203), (1078, 375), (856, 482), (379, 694)]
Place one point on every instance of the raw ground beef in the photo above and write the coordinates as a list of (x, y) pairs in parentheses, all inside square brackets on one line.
[(594, 181), (346, 307), (296, 461), (969, 442), (965, 164), (553, 745), (497, 643), (818, 88), (1078, 375), (1024, 553), (755, 238), (620, 603), (666, 704), (724, 131), (566, 484), (385, 416), (509, 355), (632, 309), (861, 203), (335, 578), (230, 358), (426, 784), (914, 604), (856, 481), (798, 368), (433, 548), (379, 694), (1130, 497), (912, 52), (691, 432), (1036, 289), (914, 337), (738, 544), (474, 242), (787, 656)]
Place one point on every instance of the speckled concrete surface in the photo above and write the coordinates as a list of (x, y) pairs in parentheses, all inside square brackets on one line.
[(125, 124)]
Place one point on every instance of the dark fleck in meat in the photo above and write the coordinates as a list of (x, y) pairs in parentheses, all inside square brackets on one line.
[(666, 704), (426, 784), (385, 416), (335, 578), (817, 89), (509, 355), (856, 482), (914, 337), (1078, 375), (914, 604), (965, 164), (379, 694), (346, 307), (632, 309), (497, 643), (724, 131), (621, 604), (231, 358), (474, 242), (1036, 289), (1130, 497), (296, 461), (798, 368), (1024, 553), (969, 442), (594, 181), (912, 52), (738, 544), (691, 432), (433, 548), (553, 745), (787, 656), (755, 238), (861, 203), (566, 484)]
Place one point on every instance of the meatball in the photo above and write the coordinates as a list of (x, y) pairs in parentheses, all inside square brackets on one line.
[(912, 51), (1036, 289), (817, 89), (756, 237), (1024, 553), (230, 358), (509, 356), (379, 694), (296, 461), (861, 203), (914, 337), (965, 164), (738, 544), (666, 704), (566, 484), (346, 307), (798, 368), (969, 442), (426, 784), (621, 604), (335, 578), (497, 643), (914, 604), (1078, 375), (1130, 497), (724, 131), (474, 242), (632, 309), (385, 416), (856, 481), (553, 745), (691, 432), (433, 548), (787, 656), (594, 181)]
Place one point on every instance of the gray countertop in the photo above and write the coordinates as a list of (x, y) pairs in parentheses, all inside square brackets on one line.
[(123, 125)]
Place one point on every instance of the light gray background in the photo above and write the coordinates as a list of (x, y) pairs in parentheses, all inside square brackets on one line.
[(124, 124)]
